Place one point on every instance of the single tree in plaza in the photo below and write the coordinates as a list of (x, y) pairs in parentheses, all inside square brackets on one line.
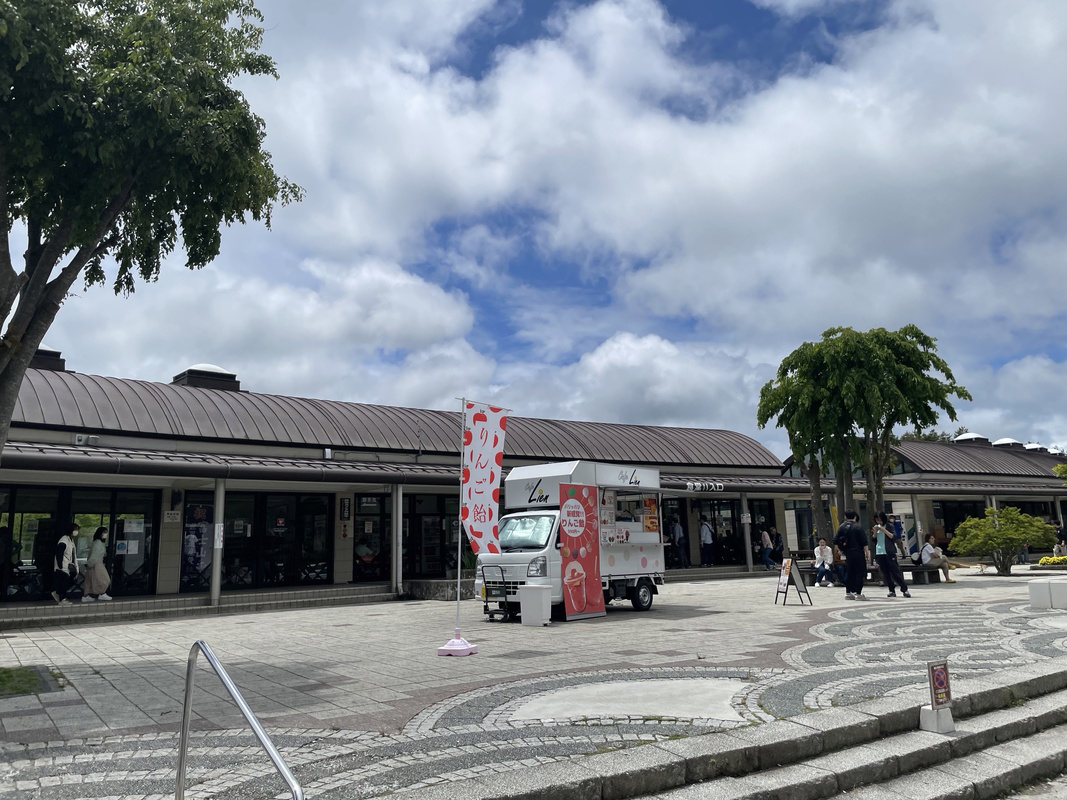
[(121, 136), (1001, 535), (841, 399)]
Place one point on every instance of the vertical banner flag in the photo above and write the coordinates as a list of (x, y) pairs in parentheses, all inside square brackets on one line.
[(483, 455), (579, 528)]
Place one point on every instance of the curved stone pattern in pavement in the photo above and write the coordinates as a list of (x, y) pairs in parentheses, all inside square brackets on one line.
[(854, 653), (470, 734), (874, 650)]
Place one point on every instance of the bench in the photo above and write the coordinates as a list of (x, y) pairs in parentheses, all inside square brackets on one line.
[(913, 573)]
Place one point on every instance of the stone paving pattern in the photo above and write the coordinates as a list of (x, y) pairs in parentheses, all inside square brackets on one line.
[(361, 706)]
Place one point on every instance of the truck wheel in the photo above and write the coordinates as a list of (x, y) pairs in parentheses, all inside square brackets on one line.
[(641, 596)]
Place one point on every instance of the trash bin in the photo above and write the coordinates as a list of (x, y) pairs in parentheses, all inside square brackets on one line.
[(535, 605)]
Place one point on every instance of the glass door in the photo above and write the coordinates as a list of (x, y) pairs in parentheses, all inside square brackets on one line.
[(240, 554)]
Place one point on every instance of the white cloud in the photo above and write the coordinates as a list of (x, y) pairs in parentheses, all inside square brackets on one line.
[(920, 177)]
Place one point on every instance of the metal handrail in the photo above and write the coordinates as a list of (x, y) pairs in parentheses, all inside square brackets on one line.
[(183, 745)]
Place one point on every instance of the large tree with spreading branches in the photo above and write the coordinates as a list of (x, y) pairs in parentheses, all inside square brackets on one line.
[(840, 400), (122, 137)]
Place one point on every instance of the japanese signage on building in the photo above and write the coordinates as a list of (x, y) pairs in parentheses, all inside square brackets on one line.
[(579, 534), (483, 455)]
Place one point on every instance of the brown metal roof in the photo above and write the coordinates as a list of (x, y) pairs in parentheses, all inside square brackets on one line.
[(978, 459), (93, 404)]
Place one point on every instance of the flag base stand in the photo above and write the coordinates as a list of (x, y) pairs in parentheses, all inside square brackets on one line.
[(458, 647)]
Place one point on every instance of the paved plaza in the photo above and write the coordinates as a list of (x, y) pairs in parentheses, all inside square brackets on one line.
[(361, 706)]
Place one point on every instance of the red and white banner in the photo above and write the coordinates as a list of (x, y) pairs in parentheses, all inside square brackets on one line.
[(579, 535), (483, 455)]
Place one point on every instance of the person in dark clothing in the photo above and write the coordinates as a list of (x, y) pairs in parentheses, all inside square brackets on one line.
[(852, 540), (885, 553)]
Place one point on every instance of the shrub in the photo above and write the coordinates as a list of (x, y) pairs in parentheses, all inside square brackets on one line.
[(1001, 535)]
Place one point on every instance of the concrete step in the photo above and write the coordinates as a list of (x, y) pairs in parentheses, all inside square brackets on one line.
[(40, 614), (1014, 719)]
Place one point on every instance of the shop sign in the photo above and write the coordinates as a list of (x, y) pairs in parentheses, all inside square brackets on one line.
[(579, 527)]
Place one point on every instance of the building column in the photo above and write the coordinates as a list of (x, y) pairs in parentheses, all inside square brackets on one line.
[(397, 580), (746, 528), (216, 550)]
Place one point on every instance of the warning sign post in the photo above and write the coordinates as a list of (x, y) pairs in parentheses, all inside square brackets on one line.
[(937, 717)]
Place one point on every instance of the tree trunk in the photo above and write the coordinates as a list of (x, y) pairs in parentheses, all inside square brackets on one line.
[(814, 475), (1003, 559)]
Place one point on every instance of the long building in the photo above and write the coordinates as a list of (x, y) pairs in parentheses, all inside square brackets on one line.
[(308, 492)]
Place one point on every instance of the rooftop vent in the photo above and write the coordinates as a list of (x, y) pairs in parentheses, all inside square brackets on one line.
[(1007, 442), (208, 376), (1037, 448), (971, 438), (47, 358)]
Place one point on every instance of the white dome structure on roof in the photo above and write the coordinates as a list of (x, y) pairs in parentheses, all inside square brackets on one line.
[(970, 437), (209, 368), (1007, 441), (1036, 446)]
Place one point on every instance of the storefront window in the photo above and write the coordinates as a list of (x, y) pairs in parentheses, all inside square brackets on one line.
[(269, 540), (371, 537)]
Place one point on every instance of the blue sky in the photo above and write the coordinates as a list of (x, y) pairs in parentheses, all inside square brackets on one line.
[(630, 210)]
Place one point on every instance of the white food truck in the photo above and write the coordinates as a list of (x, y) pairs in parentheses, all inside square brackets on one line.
[(631, 543)]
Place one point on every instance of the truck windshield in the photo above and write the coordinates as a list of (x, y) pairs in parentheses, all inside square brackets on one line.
[(521, 533)]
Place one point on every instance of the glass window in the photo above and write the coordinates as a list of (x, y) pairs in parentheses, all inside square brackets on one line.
[(526, 533)]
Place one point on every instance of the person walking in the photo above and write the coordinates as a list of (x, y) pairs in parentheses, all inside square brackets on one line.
[(853, 542), (885, 553), (706, 542), (678, 535), (65, 568), (765, 554), (931, 557), (97, 581)]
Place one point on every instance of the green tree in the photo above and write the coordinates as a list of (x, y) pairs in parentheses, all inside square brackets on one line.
[(1001, 534), (798, 400), (906, 383), (121, 135)]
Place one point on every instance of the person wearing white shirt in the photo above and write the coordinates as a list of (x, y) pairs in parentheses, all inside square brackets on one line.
[(706, 542), (824, 564), (931, 557)]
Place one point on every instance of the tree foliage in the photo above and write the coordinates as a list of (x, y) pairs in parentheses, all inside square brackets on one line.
[(840, 399), (1001, 534), (121, 135)]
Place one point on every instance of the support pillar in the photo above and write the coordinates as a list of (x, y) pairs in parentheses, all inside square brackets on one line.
[(216, 550), (746, 528), (397, 578)]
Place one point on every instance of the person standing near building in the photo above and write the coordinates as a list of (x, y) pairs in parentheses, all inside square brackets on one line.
[(678, 535), (853, 542), (885, 552), (706, 542), (66, 565), (97, 581), (767, 547)]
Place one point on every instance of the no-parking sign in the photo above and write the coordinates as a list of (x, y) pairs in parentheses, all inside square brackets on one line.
[(940, 687)]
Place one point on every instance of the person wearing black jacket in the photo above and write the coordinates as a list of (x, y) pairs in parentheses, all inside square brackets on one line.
[(852, 540)]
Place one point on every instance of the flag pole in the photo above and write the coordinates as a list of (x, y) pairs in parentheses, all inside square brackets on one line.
[(458, 646)]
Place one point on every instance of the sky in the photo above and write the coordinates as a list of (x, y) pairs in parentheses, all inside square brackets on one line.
[(630, 210)]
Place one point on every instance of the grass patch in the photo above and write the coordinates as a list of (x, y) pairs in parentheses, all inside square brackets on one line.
[(19, 680)]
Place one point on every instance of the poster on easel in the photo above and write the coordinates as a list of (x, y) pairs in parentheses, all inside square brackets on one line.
[(790, 574), (579, 528)]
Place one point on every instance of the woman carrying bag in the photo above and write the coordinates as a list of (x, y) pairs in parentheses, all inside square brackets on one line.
[(97, 581)]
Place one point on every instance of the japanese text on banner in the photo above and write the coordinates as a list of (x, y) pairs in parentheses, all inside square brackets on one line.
[(483, 455)]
